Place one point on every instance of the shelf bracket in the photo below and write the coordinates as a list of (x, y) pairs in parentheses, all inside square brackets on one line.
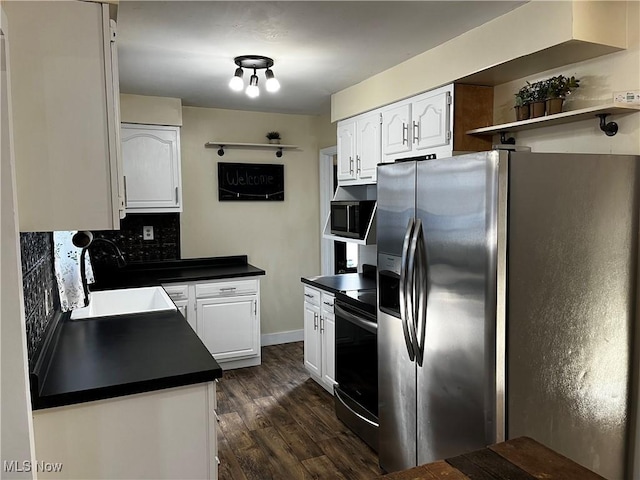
[(611, 128), (221, 150), (279, 152), (506, 141)]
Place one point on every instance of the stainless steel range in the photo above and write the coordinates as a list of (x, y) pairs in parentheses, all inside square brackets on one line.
[(356, 392)]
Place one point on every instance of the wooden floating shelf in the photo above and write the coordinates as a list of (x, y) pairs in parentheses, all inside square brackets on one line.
[(249, 145), (556, 119), (269, 146)]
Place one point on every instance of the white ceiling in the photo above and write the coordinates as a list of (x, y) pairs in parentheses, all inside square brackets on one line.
[(185, 49)]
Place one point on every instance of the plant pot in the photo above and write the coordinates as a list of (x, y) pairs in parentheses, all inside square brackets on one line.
[(537, 109), (554, 105), (274, 141), (522, 112)]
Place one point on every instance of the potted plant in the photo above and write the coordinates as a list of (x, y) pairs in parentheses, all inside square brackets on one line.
[(273, 137), (523, 99), (558, 88), (538, 97)]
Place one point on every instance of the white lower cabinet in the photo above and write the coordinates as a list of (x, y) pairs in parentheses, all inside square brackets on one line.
[(227, 326), (164, 434), (319, 336), (179, 293), (226, 316)]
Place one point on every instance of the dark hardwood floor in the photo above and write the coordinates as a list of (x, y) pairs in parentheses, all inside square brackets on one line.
[(276, 423)]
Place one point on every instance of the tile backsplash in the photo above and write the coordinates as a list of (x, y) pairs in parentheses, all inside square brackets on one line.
[(38, 281), (38, 278), (164, 246)]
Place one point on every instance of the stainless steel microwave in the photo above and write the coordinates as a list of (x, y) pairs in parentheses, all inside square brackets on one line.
[(350, 218)]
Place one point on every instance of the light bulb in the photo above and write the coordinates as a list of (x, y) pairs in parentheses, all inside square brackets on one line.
[(236, 82), (252, 90), (272, 84)]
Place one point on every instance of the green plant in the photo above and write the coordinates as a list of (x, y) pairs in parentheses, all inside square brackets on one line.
[(561, 86), (273, 136), (538, 91), (523, 97)]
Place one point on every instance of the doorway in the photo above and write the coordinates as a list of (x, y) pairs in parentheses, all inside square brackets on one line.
[(335, 257)]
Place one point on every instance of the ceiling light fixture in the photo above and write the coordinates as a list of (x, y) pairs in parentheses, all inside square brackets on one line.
[(255, 62)]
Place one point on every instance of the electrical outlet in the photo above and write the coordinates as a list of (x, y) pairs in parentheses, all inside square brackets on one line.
[(147, 233)]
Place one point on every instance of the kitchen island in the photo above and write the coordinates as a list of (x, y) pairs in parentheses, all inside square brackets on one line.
[(132, 395)]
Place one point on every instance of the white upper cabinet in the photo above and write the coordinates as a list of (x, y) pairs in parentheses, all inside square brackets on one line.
[(66, 125), (151, 156), (431, 126), (358, 149), (346, 150), (419, 126)]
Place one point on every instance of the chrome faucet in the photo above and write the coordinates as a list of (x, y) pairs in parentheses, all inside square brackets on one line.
[(84, 239)]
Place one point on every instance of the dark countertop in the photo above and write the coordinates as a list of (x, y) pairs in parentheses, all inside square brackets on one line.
[(193, 269), (341, 283), (93, 359), (348, 287), (99, 358)]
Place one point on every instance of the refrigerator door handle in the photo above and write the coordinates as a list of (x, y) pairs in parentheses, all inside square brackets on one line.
[(423, 294), (403, 288), (413, 273)]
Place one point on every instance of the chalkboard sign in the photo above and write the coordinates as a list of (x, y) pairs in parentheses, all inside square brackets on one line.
[(250, 182)]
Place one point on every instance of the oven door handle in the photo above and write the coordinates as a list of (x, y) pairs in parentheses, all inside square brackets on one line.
[(364, 419), (356, 320)]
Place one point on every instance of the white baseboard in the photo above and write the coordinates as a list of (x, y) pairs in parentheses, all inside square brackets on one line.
[(281, 337)]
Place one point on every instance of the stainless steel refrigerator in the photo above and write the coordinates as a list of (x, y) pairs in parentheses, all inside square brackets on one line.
[(506, 297)]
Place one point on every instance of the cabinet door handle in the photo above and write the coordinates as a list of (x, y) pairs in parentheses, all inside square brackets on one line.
[(176, 195), (416, 131), (308, 295), (321, 324), (405, 133), (315, 321), (328, 303), (255, 307), (227, 289), (124, 182), (351, 165), (358, 164)]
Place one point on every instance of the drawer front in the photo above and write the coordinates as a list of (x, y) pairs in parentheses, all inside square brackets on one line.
[(177, 292), (327, 302), (237, 287), (312, 296)]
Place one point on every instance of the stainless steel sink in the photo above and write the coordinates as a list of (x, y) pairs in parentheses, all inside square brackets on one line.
[(124, 301)]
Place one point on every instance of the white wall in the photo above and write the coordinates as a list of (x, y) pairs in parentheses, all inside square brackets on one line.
[(282, 238), (15, 414), (150, 110)]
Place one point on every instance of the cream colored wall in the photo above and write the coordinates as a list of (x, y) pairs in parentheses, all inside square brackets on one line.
[(326, 131), (283, 238), (599, 78), (534, 27), (150, 110)]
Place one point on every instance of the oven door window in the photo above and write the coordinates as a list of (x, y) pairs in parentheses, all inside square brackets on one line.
[(357, 363)]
